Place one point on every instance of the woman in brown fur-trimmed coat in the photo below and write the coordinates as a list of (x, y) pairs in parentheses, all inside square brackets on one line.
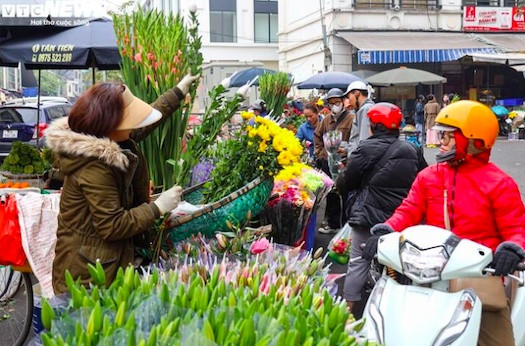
[(104, 200)]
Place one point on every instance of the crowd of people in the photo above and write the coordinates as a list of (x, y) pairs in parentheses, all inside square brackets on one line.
[(383, 184)]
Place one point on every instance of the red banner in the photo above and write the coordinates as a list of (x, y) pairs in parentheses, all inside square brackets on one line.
[(507, 19)]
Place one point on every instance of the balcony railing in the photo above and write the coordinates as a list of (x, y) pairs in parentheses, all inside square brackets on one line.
[(419, 4), (400, 4), (373, 4), (483, 3)]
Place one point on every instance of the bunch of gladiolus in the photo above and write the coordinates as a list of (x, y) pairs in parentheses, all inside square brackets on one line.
[(203, 302)]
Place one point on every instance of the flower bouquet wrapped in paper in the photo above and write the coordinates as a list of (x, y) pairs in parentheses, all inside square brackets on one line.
[(296, 195)]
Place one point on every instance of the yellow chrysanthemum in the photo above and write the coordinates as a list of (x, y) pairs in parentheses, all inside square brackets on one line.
[(320, 102), (278, 143), (263, 132), (247, 115), (252, 133), (262, 146)]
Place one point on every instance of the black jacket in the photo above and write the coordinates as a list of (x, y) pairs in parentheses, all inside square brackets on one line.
[(376, 197)]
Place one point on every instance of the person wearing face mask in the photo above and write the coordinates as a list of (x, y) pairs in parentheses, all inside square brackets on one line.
[(339, 119), (357, 94), (473, 198)]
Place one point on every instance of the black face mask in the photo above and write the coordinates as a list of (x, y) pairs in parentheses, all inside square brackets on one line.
[(446, 157)]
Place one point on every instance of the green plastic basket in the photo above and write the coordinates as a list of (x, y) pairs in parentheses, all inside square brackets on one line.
[(212, 218)]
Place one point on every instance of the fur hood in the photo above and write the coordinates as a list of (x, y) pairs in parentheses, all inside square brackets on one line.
[(63, 141)]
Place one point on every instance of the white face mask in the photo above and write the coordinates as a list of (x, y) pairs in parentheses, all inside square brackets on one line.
[(336, 108)]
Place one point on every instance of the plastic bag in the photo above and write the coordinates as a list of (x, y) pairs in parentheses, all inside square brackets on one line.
[(11, 251), (339, 246)]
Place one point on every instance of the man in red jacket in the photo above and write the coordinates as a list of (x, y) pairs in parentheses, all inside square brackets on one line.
[(470, 196)]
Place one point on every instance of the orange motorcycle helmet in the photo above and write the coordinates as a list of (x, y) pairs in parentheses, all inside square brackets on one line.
[(475, 120)]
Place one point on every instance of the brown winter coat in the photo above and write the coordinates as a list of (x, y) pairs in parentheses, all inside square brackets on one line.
[(344, 124), (432, 109), (104, 200)]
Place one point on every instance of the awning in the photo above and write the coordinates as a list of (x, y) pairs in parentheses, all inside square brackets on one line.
[(514, 60), (413, 47), (505, 42)]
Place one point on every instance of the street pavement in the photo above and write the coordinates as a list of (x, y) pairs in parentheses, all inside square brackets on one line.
[(508, 155)]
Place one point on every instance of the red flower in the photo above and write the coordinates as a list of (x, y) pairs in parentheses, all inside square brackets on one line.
[(150, 56), (138, 57)]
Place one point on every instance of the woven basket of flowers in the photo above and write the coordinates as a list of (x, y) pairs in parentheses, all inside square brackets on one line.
[(214, 217)]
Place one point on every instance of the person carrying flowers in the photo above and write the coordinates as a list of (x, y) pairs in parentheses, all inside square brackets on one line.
[(378, 175), (341, 120), (105, 197)]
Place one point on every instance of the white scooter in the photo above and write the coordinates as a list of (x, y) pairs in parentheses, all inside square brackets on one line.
[(424, 312)]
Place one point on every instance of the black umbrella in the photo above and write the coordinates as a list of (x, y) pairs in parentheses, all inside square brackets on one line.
[(81, 47), (328, 80), (88, 46), (245, 76)]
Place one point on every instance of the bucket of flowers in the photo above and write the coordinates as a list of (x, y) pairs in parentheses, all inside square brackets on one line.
[(298, 190)]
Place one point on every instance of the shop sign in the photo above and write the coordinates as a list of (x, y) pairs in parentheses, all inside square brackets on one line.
[(482, 19), (49, 12)]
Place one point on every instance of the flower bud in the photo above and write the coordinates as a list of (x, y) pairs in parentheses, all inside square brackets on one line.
[(193, 8), (222, 240), (226, 82), (243, 91)]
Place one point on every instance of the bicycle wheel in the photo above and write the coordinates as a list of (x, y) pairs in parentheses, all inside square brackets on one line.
[(10, 281), (16, 313)]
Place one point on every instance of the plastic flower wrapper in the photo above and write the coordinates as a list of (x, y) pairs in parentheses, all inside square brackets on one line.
[(339, 246), (298, 191), (332, 140)]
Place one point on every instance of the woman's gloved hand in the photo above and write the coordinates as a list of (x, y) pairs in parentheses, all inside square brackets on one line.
[(507, 257), (184, 84), (169, 199), (377, 231)]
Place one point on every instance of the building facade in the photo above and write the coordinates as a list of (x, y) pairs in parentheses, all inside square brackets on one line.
[(236, 35), (447, 37), (10, 79)]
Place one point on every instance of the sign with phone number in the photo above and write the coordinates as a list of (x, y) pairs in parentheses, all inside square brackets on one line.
[(55, 57), (52, 53)]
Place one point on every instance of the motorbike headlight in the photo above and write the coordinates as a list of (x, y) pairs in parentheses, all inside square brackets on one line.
[(423, 265), (375, 311), (459, 320)]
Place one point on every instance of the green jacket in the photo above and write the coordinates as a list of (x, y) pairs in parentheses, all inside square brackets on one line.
[(104, 200)]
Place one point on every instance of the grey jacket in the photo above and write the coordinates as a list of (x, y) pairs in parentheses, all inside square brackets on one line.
[(361, 126)]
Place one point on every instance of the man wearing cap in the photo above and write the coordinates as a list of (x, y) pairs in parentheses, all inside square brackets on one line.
[(105, 197), (339, 119), (357, 94), (259, 108)]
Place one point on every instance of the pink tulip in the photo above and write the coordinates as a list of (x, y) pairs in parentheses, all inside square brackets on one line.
[(259, 246)]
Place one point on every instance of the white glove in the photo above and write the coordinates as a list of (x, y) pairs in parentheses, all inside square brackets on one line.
[(184, 84), (169, 199)]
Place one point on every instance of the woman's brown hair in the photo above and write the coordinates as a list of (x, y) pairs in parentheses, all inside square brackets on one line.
[(313, 107), (99, 111)]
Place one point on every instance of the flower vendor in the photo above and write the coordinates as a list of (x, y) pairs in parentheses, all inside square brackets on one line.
[(105, 196)]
